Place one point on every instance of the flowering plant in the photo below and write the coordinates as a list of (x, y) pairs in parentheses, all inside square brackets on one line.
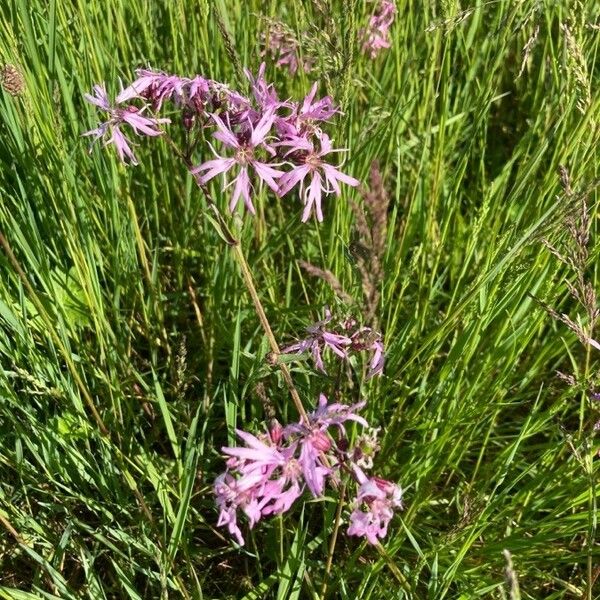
[(265, 140), (271, 471)]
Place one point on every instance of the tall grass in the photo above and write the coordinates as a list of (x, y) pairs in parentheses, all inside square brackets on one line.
[(117, 297)]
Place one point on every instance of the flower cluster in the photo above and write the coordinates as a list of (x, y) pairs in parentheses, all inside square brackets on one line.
[(343, 338), (264, 140), (271, 471), (376, 36)]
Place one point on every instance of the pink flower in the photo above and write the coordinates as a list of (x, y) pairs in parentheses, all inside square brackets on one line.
[(279, 494), (365, 338), (319, 339), (376, 35), (229, 499), (256, 461), (245, 146), (342, 339), (319, 110), (374, 507), (305, 118), (315, 441), (336, 414), (111, 129), (267, 481), (324, 178), (285, 49), (264, 93), (157, 87)]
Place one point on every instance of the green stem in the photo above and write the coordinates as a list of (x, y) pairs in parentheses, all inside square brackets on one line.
[(394, 568), (333, 540), (262, 317), (231, 239)]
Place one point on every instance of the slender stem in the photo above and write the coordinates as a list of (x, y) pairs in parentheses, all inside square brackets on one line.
[(231, 239), (333, 540), (262, 317), (393, 568), (6, 524)]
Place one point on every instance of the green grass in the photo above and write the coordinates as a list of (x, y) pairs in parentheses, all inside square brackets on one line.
[(130, 301)]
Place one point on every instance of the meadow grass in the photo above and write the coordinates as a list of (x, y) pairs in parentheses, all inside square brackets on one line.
[(116, 293)]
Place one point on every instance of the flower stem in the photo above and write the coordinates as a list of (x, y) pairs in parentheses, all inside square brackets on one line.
[(227, 235), (262, 317), (394, 568), (333, 540)]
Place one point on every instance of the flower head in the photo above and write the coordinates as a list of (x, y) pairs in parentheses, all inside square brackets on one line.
[(309, 162), (229, 499), (315, 441), (343, 339), (365, 338), (245, 146), (257, 129), (374, 507), (263, 478), (264, 93), (158, 87), (306, 117), (376, 35), (365, 448), (285, 48), (320, 339), (110, 129)]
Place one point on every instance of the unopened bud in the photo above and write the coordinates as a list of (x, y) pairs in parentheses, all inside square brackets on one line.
[(276, 431), (320, 441), (343, 444), (188, 119)]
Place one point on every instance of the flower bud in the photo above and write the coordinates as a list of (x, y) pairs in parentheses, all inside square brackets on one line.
[(320, 441), (188, 119), (276, 431)]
